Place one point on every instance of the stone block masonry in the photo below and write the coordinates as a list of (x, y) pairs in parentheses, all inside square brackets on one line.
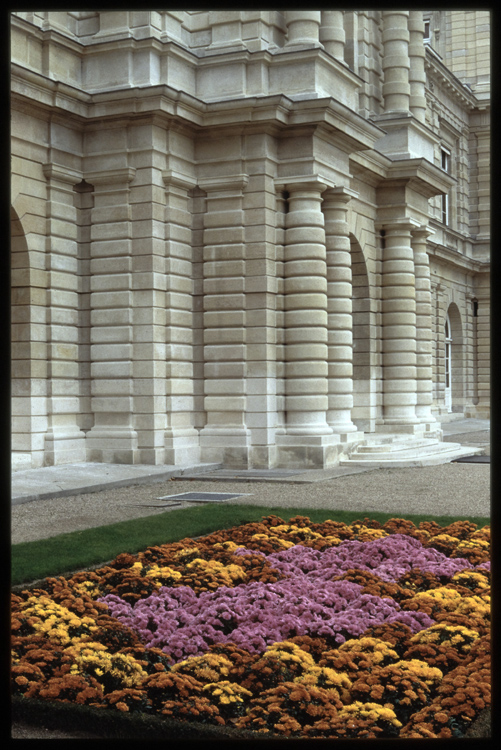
[(238, 236)]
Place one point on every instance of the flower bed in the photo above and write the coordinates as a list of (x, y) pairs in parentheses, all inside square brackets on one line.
[(286, 629)]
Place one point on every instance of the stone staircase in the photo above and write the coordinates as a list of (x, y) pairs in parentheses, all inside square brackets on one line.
[(398, 451)]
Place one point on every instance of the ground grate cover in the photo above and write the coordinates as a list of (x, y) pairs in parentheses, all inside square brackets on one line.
[(472, 460), (280, 628), (202, 497)]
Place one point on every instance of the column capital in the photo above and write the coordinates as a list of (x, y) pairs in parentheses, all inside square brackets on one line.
[(230, 182), (62, 173), (172, 178), (301, 182), (339, 194), (422, 232), (110, 176), (403, 224)]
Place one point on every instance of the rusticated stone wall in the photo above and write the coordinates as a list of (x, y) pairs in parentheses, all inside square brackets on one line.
[(229, 235)]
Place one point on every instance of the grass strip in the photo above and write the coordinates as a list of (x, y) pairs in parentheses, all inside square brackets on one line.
[(67, 553)]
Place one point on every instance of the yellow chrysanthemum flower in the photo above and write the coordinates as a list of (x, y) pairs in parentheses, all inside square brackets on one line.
[(420, 668)]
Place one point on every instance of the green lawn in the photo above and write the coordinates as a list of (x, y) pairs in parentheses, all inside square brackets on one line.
[(66, 553)]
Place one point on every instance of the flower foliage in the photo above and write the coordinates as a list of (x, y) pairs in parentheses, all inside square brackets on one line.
[(288, 629)]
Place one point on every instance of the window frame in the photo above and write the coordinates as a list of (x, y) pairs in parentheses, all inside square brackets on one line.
[(427, 31), (445, 163)]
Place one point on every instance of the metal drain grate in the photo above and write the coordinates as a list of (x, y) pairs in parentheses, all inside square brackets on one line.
[(203, 497), (244, 473), (473, 460)]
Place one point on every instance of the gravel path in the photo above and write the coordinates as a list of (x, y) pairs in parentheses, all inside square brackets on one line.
[(447, 489)]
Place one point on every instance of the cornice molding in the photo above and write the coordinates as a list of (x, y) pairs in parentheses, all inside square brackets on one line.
[(230, 183), (435, 69), (122, 175), (419, 174), (61, 173), (444, 255), (353, 132), (175, 179)]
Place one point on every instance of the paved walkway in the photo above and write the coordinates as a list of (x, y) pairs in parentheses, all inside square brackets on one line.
[(71, 479), (62, 499)]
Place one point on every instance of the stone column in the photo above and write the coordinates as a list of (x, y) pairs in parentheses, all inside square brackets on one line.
[(303, 27), (113, 437), (225, 436), (424, 365), (417, 75), (181, 438), (332, 34), (399, 326), (306, 400), (226, 29), (64, 440), (396, 89), (339, 309)]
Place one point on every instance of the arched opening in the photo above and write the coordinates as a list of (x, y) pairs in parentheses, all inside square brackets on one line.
[(23, 405), (454, 364), (448, 364), (364, 385)]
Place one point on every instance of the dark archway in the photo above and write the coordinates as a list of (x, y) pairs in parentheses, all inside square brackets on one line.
[(456, 358), (21, 363), (364, 384)]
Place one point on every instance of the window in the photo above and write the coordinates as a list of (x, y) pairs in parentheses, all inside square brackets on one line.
[(427, 37), (445, 164)]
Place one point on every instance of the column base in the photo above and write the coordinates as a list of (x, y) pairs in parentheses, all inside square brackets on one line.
[(182, 447), (64, 445), (425, 416), (342, 428), (480, 411), (431, 428), (308, 451), (263, 457), (112, 445), (226, 445), (20, 461)]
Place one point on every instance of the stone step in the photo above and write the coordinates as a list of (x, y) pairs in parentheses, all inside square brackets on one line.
[(431, 454), (397, 445)]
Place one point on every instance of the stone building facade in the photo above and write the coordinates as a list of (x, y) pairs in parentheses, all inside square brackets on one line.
[(251, 237)]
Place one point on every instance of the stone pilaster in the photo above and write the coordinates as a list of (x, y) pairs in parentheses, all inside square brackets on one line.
[(339, 310), (113, 437), (424, 373), (398, 328), (332, 34), (396, 89), (64, 440), (483, 345), (483, 187), (150, 298), (225, 436), (261, 290), (439, 302), (417, 75), (181, 438), (303, 28)]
